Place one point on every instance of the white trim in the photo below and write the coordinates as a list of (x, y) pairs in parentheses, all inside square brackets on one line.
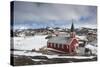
[(57, 45), (50, 44), (72, 40), (54, 45)]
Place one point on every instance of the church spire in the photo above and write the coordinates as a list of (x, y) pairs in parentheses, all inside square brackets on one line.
[(72, 33), (72, 27)]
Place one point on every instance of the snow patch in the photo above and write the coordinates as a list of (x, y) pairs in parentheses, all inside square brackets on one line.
[(29, 43)]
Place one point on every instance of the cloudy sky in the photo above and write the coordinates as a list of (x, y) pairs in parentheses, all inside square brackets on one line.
[(40, 15)]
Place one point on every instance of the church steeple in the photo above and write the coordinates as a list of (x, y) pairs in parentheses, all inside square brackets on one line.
[(72, 32), (72, 27)]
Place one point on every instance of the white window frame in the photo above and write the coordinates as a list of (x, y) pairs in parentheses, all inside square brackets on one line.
[(54, 45), (51, 45), (58, 45)]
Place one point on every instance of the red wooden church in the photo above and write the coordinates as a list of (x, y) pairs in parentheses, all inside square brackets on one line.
[(64, 44)]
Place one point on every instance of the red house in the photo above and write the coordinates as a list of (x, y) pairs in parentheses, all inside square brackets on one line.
[(64, 44)]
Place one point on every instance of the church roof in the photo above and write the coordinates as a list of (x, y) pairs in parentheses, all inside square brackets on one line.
[(59, 40)]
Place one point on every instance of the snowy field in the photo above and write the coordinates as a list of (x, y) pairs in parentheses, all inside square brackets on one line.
[(49, 56), (29, 43), (23, 53), (37, 41)]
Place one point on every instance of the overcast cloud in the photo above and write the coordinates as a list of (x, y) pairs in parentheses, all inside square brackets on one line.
[(37, 15)]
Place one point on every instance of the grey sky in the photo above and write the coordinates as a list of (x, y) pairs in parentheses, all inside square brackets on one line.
[(34, 15)]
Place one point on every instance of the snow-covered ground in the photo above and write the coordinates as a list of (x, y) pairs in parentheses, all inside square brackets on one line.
[(37, 41), (50, 56), (29, 43), (92, 48)]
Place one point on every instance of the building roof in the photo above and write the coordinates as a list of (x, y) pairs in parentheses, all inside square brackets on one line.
[(59, 40), (81, 37)]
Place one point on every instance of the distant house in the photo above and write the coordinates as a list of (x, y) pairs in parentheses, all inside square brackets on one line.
[(64, 44), (91, 48), (91, 36)]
